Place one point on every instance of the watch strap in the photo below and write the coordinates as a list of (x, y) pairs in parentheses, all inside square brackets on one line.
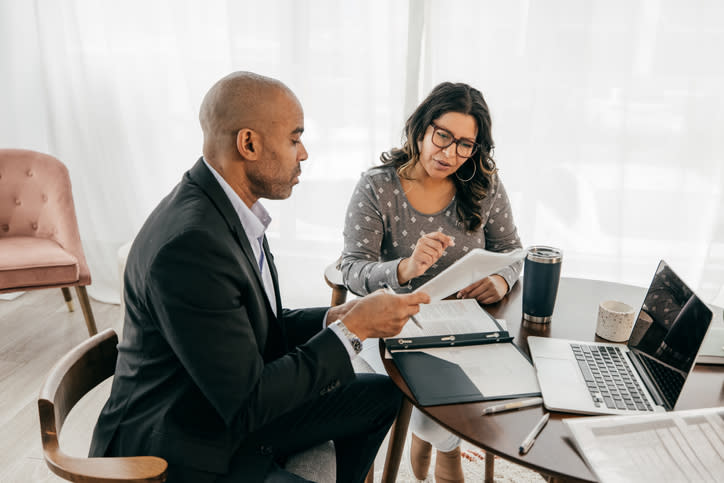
[(354, 341)]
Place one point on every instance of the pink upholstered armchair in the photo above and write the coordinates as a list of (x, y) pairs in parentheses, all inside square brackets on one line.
[(39, 241)]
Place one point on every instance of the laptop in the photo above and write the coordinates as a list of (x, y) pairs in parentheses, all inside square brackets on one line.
[(646, 375)]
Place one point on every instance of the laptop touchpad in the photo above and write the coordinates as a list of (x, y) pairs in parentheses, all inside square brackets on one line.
[(557, 371), (561, 383)]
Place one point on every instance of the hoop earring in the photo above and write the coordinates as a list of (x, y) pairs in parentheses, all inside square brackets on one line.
[(475, 169)]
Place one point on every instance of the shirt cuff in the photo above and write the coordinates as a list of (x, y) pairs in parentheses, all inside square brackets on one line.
[(347, 344), (392, 279)]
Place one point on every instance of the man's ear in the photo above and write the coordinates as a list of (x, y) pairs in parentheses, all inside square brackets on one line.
[(248, 143)]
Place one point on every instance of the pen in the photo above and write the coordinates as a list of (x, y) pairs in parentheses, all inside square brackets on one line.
[(523, 403), (530, 439), (389, 290)]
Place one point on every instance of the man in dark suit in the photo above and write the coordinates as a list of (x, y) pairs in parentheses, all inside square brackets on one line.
[(213, 374)]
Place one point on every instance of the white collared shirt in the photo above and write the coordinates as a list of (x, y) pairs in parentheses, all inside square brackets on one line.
[(255, 222)]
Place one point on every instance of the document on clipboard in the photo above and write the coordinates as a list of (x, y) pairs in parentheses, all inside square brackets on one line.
[(447, 323), (463, 358)]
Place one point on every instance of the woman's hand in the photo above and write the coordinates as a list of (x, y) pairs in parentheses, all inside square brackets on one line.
[(486, 291), (428, 249)]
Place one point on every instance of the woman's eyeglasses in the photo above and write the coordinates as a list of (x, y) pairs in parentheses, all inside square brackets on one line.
[(443, 138)]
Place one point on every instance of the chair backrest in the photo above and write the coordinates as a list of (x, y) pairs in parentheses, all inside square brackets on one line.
[(79, 371), (36, 200)]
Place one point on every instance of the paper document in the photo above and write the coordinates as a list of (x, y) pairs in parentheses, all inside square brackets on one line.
[(497, 370), (712, 349), (450, 317), (472, 267), (674, 446)]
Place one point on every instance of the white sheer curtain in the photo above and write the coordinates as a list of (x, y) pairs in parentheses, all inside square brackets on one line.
[(606, 115), (608, 119)]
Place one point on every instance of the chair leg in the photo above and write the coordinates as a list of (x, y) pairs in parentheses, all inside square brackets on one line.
[(90, 322), (68, 298), (489, 467), (396, 443), (339, 295)]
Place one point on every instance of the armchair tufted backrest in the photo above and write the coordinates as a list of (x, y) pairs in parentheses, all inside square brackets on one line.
[(36, 201)]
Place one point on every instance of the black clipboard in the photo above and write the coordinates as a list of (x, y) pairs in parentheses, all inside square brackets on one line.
[(479, 338), (435, 381)]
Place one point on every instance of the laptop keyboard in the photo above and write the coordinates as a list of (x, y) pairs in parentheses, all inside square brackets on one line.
[(609, 379), (670, 382)]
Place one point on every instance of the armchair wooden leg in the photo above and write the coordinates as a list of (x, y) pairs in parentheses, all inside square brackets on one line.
[(90, 322), (68, 298), (489, 467), (396, 443), (339, 295)]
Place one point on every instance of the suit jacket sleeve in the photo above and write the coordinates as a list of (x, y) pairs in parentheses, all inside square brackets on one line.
[(209, 312), (302, 324)]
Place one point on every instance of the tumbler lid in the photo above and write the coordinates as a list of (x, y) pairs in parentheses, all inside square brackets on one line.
[(544, 254)]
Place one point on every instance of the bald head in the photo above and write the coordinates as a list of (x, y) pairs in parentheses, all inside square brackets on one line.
[(239, 100)]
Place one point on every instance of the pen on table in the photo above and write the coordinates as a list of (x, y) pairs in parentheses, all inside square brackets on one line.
[(523, 403), (530, 439), (388, 289)]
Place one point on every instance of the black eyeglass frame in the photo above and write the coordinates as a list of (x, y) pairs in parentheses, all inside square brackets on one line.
[(455, 140)]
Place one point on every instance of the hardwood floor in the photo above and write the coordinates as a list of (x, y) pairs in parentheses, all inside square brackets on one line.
[(36, 330)]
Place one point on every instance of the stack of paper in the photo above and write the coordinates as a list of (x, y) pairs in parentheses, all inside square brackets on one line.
[(675, 446)]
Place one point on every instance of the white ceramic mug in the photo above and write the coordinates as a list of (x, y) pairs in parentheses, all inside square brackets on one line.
[(615, 320)]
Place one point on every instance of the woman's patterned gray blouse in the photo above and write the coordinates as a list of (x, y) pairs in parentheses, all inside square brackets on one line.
[(381, 228)]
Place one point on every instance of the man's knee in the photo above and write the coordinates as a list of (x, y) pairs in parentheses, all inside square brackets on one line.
[(383, 393)]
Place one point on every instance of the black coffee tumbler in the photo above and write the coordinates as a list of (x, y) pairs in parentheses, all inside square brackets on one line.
[(541, 274)]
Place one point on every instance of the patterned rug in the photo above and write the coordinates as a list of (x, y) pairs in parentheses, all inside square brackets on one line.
[(473, 468)]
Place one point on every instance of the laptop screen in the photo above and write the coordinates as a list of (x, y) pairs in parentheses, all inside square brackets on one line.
[(670, 328)]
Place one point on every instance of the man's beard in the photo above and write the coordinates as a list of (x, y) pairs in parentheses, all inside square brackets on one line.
[(273, 189)]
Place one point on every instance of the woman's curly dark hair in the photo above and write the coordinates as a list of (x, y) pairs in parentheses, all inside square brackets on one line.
[(444, 98)]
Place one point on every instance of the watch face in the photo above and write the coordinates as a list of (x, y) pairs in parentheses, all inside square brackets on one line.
[(357, 345), (353, 339)]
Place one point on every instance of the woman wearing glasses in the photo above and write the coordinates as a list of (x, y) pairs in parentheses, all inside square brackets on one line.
[(428, 204)]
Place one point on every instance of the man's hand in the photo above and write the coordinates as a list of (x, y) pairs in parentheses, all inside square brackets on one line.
[(381, 314), (339, 311), (486, 291), (428, 249)]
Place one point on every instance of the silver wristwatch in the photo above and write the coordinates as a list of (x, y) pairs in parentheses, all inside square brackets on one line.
[(353, 339)]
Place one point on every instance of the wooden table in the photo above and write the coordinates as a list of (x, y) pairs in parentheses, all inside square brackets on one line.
[(553, 454)]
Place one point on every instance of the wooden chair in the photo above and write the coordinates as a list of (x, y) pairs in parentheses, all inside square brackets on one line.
[(40, 244), (79, 371), (333, 277)]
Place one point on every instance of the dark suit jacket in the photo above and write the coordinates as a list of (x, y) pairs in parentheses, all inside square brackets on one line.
[(203, 362)]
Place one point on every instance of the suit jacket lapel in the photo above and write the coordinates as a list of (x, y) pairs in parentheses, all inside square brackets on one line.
[(201, 175)]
